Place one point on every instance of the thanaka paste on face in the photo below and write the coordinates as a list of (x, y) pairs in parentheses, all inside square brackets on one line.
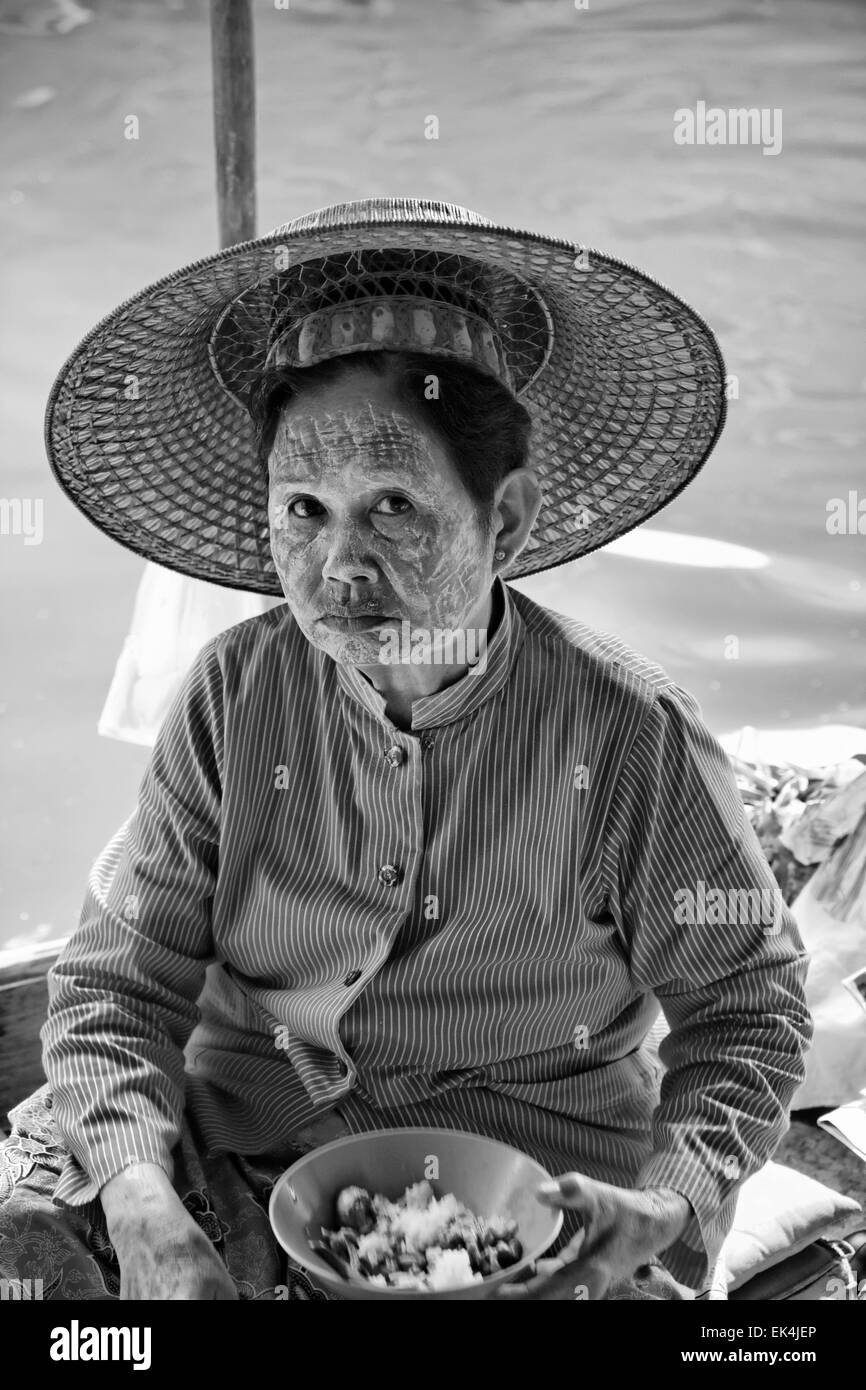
[(428, 566)]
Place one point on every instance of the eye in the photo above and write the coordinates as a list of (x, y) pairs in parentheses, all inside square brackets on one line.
[(403, 502), (302, 502), (306, 508)]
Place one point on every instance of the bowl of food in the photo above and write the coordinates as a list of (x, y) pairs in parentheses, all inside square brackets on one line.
[(413, 1213)]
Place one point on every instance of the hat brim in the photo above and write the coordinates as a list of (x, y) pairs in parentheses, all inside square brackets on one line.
[(144, 438)]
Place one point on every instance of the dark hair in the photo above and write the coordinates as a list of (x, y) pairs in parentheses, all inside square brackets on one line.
[(483, 426)]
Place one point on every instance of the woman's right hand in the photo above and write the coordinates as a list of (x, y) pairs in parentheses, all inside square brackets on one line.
[(163, 1254)]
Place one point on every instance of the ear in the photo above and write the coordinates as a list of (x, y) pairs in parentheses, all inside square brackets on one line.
[(517, 502)]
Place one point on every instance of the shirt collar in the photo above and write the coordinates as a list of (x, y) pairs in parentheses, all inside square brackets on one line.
[(465, 695)]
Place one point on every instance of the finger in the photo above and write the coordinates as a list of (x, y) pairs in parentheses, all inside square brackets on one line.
[(571, 1191), (572, 1250), (539, 1273)]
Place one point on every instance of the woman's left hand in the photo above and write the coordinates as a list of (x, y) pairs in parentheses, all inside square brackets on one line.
[(622, 1228)]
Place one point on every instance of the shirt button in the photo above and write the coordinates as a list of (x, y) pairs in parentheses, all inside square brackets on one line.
[(352, 977), (389, 874), (394, 756)]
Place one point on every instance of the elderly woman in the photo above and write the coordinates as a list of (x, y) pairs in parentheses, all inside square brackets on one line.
[(411, 849)]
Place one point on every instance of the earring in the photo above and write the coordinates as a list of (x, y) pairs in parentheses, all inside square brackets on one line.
[(499, 554)]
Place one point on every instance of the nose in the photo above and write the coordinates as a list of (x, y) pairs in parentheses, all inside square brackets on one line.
[(347, 561)]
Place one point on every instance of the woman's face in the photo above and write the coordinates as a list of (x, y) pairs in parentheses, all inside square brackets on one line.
[(369, 519)]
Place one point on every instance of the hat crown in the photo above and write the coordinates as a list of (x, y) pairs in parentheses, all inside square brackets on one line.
[(365, 212)]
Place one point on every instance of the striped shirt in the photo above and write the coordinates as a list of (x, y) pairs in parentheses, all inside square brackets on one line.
[(469, 924)]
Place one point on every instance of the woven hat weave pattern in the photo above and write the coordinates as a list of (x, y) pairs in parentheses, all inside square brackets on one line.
[(147, 431)]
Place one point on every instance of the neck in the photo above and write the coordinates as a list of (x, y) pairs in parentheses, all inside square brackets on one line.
[(402, 684)]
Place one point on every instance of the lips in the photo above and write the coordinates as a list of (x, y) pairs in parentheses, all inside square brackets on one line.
[(361, 622)]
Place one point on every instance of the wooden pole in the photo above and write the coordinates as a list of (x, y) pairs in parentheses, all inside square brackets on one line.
[(234, 105)]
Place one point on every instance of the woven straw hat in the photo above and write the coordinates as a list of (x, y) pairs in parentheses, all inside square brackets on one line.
[(148, 434)]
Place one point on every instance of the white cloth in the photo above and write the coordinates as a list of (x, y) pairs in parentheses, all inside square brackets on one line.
[(173, 618)]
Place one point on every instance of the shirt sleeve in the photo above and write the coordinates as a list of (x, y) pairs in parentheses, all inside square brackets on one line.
[(122, 996), (707, 931)]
